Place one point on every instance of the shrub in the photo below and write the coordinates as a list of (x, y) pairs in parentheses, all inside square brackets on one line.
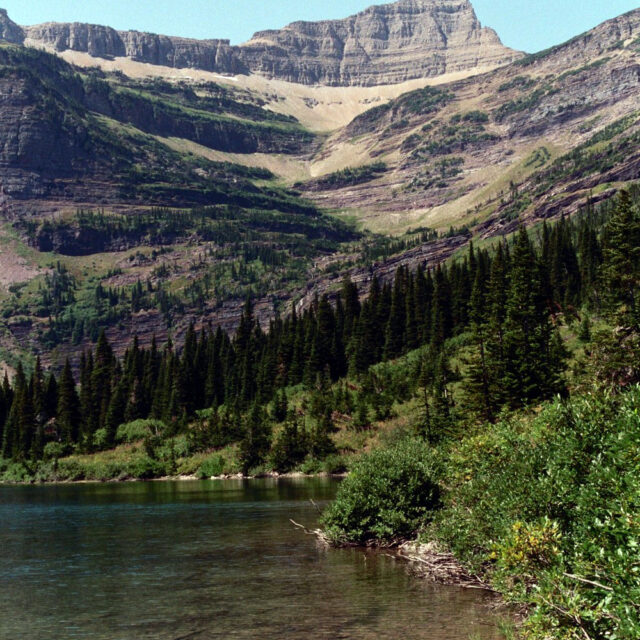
[(15, 472), (138, 430), (551, 502), (389, 495), (145, 468), (213, 466), (100, 439)]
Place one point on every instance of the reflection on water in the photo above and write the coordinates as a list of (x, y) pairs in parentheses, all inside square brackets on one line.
[(198, 560)]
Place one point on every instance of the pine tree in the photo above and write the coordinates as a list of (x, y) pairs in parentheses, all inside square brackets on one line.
[(480, 379), (40, 417), (351, 302), (620, 269), (396, 323), (442, 316), (280, 406), (361, 419), (116, 411), (68, 410), (442, 402), (290, 447), (530, 372), (256, 441), (101, 382), (20, 426)]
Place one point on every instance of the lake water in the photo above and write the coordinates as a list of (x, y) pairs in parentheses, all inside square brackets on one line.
[(211, 559)]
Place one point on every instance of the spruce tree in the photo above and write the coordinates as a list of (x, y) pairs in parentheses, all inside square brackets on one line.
[(531, 369), (68, 410), (620, 271), (480, 380), (101, 382), (256, 440)]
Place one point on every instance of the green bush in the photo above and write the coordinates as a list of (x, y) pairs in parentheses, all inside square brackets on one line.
[(138, 430), (213, 466), (145, 468), (551, 503), (100, 439), (389, 495), (14, 472)]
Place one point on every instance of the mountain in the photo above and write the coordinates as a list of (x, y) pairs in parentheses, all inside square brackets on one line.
[(382, 45), (149, 197), (530, 140), (9, 30), (77, 138)]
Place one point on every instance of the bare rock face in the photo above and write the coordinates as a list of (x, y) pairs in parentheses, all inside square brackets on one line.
[(105, 42), (9, 30), (383, 45)]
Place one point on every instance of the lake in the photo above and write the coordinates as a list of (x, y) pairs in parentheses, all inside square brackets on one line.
[(206, 559)]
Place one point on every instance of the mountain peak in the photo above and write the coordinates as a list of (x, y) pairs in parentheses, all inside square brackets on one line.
[(384, 44), (9, 30)]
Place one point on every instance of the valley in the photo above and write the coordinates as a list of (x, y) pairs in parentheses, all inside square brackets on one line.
[(470, 148), (386, 246)]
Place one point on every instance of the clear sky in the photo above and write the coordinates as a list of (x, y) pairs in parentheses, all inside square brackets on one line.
[(528, 25)]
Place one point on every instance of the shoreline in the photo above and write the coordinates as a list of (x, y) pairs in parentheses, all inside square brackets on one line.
[(272, 475)]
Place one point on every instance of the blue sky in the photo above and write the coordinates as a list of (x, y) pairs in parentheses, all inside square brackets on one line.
[(529, 25)]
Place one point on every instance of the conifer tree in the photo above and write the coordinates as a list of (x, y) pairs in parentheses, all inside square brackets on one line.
[(396, 322), (20, 426), (40, 417), (116, 411), (620, 269), (530, 370), (480, 381), (256, 441), (442, 317), (68, 410), (290, 447), (101, 381)]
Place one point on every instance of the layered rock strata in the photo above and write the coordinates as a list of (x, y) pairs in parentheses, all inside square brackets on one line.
[(385, 44)]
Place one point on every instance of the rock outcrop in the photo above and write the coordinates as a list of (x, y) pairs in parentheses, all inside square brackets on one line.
[(385, 44), (105, 42), (9, 30)]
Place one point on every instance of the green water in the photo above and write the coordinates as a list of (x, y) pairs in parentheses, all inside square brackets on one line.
[(211, 559)]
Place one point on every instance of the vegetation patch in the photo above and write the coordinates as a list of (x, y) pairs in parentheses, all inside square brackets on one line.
[(438, 175), (388, 496), (525, 103), (519, 82), (348, 177), (420, 102), (464, 131)]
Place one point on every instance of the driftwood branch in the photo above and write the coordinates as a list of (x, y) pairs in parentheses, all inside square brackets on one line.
[(309, 532), (444, 568), (312, 501), (591, 582), (318, 533)]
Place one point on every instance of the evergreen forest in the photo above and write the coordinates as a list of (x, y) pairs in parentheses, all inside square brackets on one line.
[(498, 391)]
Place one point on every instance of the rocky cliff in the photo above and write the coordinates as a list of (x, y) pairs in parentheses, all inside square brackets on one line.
[(105, 42), (383, 45), (9, 30), (559, 126)]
